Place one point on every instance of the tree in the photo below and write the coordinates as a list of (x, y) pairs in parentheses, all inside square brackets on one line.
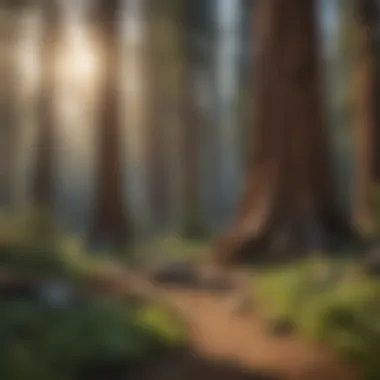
[(8, 102), (157, 131), (290, 205), (364, 91), (192, 226), (110, 225), (43, 183)]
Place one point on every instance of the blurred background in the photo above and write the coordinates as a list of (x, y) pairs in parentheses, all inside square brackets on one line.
[(126, 130), (197, 62)]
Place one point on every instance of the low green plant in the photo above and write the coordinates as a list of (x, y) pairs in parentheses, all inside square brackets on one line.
[(58, 343), (344, 314)]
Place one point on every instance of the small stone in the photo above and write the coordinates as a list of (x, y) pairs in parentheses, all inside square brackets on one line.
[(281, 327), (176, 273), (57, 293)]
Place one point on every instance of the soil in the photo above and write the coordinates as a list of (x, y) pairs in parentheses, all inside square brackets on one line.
[(225, 344)]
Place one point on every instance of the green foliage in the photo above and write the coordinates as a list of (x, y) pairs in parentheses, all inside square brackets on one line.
[(43, 343), (345, 314), (162, 323)]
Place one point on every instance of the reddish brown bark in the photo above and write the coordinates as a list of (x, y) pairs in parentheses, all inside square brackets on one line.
[(110, 226), (365, 112), (157, 174), (43, 185), (8, 103), (290, 204)]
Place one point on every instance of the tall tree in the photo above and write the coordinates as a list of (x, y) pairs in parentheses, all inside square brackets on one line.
[(8, 104), (110, 225), (191, 126), (364, 91), (290, 205), (157, 139), (43, 183)]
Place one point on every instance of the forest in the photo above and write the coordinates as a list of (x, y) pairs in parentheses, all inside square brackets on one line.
[(189, 189)]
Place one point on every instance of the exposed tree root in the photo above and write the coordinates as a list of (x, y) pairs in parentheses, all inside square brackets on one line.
[(283, 242)]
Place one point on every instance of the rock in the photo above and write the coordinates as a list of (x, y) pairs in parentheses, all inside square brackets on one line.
[(281, 327), (57, 294), (181, 273)]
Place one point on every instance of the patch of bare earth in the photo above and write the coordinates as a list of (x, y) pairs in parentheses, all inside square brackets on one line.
[(225, 345), (219, 334)]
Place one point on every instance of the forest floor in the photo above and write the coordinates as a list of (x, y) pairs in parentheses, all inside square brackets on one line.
[(226, 345), (241, 342)]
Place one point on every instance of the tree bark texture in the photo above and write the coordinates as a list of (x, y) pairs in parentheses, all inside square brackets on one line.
[(364, 92), (110, 225), (9, 131), (43, 182), (158, 172), (290, 204)]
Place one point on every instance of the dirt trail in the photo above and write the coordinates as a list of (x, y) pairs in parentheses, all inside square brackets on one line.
[(218, 335), (215, 332)]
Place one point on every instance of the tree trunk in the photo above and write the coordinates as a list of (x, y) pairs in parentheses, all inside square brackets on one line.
[(110, 226), (192, 226), (290, 204), (364, 105), (43, 185), (8, 102), (158, 176)]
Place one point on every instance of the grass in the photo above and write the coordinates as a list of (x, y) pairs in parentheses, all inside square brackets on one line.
[(344, 314)]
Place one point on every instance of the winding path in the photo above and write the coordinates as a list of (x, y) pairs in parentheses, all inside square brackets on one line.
[(217, 333)]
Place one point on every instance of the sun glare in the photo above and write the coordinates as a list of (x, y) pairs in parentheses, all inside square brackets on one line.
[(77, 62)]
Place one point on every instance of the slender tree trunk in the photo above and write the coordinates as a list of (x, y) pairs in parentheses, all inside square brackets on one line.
[(43, 183), (8, 103), (190, 149), (290, 204), (365, 114), (110, 226), (158, 171)]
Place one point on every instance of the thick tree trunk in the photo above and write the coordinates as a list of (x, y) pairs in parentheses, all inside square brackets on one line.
[(365, 115), (290, 205), (43, 185), (110, 226)]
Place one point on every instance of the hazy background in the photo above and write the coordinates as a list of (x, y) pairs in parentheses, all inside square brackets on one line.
[(222, 40)]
